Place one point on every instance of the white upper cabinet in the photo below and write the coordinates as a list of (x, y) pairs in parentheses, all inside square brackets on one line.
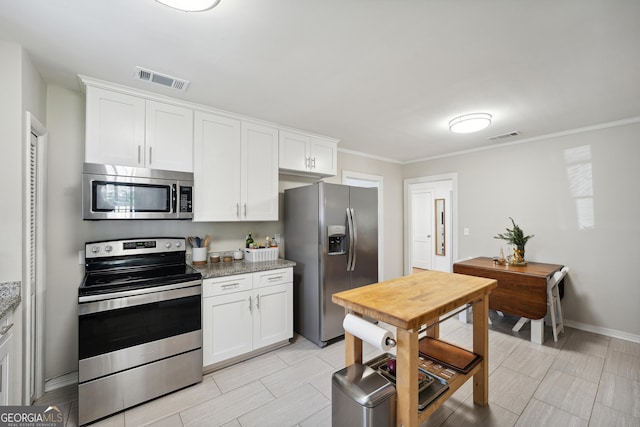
[(235, 170), (169, 137), (115, 128), (307, 154), (216, 168), (259, 165), (127, 130)]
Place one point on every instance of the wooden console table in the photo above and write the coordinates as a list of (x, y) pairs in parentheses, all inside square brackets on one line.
[(521, 291), (408, 303)]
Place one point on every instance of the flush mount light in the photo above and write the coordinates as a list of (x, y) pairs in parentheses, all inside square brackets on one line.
[(470, 123), (190, 5)]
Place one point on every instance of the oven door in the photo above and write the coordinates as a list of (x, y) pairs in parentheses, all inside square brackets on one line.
[(137, 327)]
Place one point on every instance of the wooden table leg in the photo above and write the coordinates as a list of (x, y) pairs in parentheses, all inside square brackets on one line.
[(481, 347), (407, 378), (352, 349), (433, 328)]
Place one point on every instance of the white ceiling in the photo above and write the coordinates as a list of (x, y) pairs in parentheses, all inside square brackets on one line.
[(384, 76)]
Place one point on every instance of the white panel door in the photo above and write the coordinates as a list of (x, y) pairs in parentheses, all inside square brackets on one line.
[(273, 315), (169, 137), (227, 326), (216, 168), (259, 181), (421, 229)]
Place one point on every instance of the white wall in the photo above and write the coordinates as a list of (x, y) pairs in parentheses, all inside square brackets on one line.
[(11, 161), (540, 184), (22, 90)]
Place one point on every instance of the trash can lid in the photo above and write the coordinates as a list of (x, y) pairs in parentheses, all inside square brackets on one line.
[(364, 385)]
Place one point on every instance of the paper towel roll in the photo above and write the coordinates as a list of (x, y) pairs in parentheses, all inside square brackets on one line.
[(368, 332)]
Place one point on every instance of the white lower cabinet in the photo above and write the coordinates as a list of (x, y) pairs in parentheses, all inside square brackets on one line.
[(244, 313), (6, 354)]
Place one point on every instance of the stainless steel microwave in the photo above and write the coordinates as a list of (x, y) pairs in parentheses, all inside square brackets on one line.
[(124, 192)]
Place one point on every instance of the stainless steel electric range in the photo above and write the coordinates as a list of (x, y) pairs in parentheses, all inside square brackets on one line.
[(140, 329)]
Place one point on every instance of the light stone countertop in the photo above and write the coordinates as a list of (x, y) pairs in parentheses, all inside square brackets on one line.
[(221, 269), (9, 297)]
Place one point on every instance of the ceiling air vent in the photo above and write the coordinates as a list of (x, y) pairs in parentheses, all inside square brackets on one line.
[(504, 136), (161, 79)]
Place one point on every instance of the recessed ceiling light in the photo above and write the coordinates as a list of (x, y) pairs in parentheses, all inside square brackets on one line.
[(190, 5), (470, 123)]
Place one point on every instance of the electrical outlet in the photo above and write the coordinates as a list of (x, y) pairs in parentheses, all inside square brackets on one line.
[(81, 257), (465, 231)]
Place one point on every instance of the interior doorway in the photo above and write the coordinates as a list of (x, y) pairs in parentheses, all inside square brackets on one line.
[(359, 179), (35, 171), (430, 221)]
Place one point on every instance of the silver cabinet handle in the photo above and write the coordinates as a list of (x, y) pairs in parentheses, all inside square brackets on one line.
[(250, 308), (245, 209), (274, 278), (313, 163), (150, 148), (258, 301), (307, 162), (237, 210), (5, 329), (139, 151), (230, 285)]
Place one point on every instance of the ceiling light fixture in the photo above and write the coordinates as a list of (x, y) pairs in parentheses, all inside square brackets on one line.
[(470, 123), (190, 5)]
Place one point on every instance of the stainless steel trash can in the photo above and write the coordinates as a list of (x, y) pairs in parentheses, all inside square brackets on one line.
[(362, 397)]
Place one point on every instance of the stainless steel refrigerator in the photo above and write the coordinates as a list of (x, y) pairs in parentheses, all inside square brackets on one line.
[(331, 232)]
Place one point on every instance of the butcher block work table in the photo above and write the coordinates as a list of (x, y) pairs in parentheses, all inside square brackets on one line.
[(521, 291), (408, 303)]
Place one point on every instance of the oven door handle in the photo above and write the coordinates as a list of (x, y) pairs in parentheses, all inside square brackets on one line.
[(132, 300)]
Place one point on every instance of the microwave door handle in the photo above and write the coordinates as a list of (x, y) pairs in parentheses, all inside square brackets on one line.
[(174, 198)]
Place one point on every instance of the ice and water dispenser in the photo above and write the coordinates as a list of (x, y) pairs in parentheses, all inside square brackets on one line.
[(337, 239)]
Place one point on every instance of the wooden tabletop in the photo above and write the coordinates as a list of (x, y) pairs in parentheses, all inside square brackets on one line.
[(411, 301), (537, 269)]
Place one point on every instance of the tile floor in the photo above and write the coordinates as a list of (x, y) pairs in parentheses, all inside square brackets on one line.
[(584, 379)]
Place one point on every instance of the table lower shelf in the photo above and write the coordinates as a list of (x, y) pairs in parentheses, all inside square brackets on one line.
[(454, 379)]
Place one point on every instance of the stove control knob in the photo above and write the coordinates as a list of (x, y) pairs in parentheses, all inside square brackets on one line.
[(108, 248), (95, 249), (167, 245), (178, 244)]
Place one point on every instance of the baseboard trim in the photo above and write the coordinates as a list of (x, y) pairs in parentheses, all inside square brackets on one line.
[(55, 383), (602, 331)]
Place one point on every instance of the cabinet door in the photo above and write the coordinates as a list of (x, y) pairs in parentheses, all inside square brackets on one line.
[(6, 349), (273, 315), (226, 328), (169, 137), (115, 128), (216, 168), (294, 151), (324, 157), (259, 182)]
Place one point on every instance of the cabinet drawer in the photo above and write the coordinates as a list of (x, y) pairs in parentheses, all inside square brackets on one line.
[(273, 277), (227, 285)]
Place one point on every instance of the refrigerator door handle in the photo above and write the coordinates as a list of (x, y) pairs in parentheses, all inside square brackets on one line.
[(355, 239), (351, 238)]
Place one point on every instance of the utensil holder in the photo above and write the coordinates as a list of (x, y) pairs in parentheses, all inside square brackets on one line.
[(199, 256)]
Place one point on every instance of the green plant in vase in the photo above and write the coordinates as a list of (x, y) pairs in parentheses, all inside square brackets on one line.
[(516, 237)]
